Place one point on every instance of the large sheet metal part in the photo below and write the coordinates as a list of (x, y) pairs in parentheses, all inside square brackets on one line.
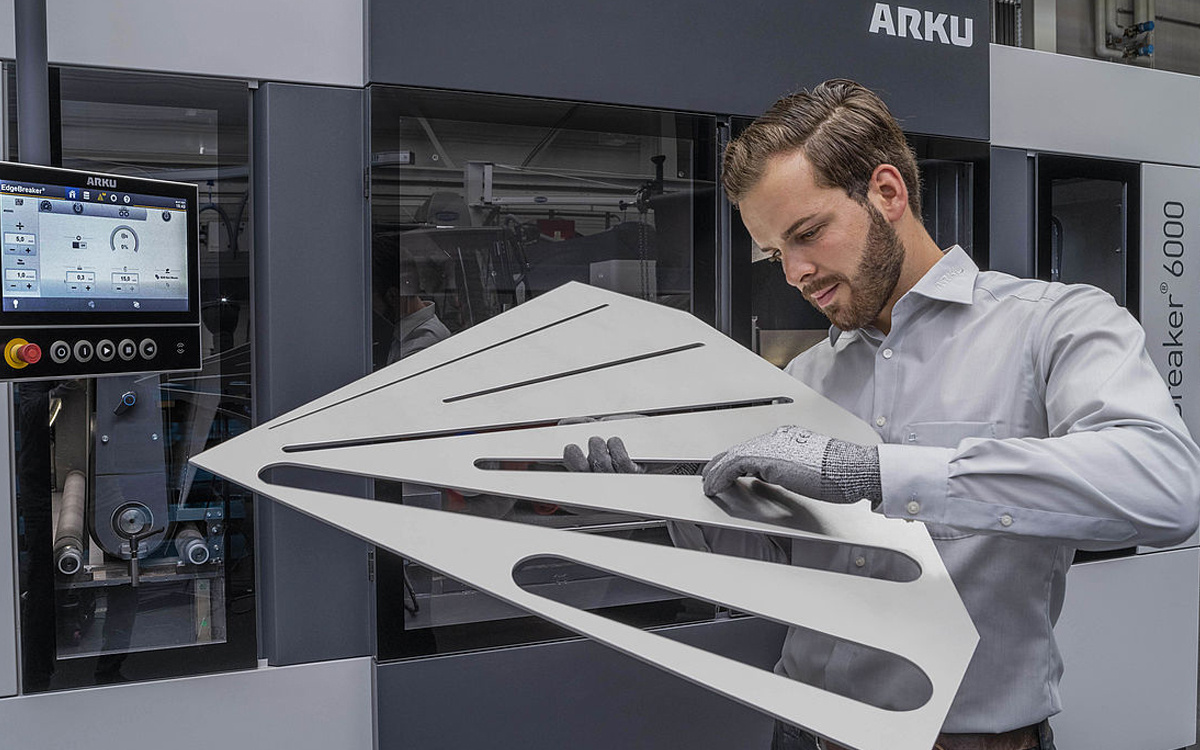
[(495, 393)]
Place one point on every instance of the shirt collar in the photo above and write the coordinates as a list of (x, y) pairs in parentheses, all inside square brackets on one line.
[(411, 321), (952, 279)]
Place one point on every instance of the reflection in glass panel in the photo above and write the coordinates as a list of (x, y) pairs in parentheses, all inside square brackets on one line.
[(480, 203), (946, 201), (1087, 234), (133, 566)]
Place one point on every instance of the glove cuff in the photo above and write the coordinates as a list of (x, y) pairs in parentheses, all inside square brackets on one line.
[(850, 472)]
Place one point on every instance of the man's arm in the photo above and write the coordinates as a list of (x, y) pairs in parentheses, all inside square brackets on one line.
[(1118, 469)]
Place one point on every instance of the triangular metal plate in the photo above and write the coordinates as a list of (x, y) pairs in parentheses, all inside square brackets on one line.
[(496, 392)]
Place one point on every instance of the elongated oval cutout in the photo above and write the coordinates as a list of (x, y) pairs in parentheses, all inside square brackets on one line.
[(565, 420), (875, 677), (818, 554), (320, 480)]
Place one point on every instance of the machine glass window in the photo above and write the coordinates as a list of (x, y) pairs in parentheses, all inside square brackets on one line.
[(478, 204), (1087, 234), (1087, 224), (132, 565)]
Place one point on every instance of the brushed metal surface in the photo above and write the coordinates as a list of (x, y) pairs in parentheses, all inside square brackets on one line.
[(583, 351)]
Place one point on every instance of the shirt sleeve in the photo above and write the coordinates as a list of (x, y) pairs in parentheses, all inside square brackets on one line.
[(1117, 469)]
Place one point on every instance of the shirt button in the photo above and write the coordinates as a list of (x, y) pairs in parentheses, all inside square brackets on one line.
[(1006, 520), (860, 561), (914, 508), (887, 353), (881, 421)]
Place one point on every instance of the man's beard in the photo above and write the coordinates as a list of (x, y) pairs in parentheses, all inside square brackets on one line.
[(873, 283)]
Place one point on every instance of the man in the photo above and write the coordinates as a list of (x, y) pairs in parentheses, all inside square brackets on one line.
[(403, 323), (1021, 420)]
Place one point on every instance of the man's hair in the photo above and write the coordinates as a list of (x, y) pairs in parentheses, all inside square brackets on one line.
[(845, 131)]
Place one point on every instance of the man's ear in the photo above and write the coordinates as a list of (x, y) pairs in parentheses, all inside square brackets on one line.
[(888, 192)]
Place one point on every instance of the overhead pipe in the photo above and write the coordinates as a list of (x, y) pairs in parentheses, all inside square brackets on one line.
[(1111, 23), (1143, 19), (1142, 11), (1099, 15)]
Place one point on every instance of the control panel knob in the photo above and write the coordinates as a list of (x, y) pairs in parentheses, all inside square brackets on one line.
[(128, 399)]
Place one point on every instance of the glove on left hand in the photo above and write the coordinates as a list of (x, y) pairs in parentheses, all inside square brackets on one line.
[(603, 457), (802, 461)]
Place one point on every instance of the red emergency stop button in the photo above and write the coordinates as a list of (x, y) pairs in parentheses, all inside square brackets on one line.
[(29, 353), (20, 353)]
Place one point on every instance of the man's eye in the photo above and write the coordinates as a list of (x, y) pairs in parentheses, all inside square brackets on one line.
[(810, 234)]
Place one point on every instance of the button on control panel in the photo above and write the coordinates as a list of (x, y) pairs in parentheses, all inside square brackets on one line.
[(60, 352), (34, 354), (83, 350), (19, 353)]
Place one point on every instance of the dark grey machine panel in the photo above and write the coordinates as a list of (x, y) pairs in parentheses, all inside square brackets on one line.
[(697, 55), (310, 312), (575, 694), (1012, 226)]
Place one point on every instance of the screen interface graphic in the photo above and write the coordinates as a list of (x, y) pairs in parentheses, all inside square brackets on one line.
[(69, 248)]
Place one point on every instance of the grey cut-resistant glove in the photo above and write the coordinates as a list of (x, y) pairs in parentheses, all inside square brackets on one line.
[(802, 461), (603, 457), (611, 457)]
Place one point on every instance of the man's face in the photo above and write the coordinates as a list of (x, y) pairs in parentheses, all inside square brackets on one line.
[(844, 257)]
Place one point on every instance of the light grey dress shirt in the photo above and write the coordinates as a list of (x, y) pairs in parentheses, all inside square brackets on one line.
[(417, 331), (1021, 420)]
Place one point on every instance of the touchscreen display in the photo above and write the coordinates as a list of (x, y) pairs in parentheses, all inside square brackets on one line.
[(71, 248)]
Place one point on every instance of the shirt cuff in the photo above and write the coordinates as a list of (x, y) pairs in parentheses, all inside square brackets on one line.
[(915, 480)]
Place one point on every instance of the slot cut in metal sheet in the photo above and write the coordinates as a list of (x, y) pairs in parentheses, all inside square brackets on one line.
[(600, 337)]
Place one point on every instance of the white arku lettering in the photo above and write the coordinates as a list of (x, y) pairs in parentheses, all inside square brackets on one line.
[(881, 20), (906, 23), (965, 39), (908, 20), (936, 25)]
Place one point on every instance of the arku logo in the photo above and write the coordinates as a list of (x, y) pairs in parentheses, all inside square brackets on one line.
[(107, 182), (907, 22)]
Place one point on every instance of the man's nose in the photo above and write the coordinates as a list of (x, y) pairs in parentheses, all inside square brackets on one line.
[(797, 269)]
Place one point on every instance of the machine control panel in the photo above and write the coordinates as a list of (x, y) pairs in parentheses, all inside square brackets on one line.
[(113, 351), (99, 274)]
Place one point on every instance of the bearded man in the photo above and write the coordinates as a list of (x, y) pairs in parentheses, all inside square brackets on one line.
[(1021, 420)]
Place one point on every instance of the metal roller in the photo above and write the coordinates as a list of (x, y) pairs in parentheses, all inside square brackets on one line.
[(189, 542), (68, 539)]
